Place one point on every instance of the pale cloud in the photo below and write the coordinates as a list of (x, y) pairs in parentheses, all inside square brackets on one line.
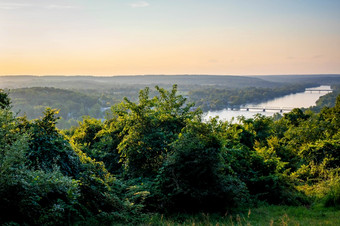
[(17, 5), (317, 56), (213, 61), (12, 6), (61, 7), (139, 4)]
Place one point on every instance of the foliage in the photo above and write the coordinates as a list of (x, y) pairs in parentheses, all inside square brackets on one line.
[(193, 177), (149, 128), (98, 141), (47, 146), (4, 100), (332, 198), (45, 180), (27, 195)]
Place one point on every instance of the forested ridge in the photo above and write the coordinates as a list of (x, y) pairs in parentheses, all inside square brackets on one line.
[(156, 156)]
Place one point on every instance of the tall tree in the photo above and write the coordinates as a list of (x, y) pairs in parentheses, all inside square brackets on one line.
[(150, 126)]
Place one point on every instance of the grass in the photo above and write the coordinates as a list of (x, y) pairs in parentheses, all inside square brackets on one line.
[(266, 215)]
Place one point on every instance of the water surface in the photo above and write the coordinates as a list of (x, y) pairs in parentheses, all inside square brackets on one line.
[(304, 99)]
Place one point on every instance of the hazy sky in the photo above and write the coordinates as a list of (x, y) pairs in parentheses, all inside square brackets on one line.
[(120, 37)]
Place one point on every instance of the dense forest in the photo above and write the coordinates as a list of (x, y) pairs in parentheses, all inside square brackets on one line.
[(156, 156)]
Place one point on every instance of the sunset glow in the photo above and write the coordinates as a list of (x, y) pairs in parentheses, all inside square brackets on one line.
[(123, 37)]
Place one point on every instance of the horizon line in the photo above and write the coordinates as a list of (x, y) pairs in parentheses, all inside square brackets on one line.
[(185, 74)]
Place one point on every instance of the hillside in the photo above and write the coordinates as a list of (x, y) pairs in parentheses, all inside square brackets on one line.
[(92, 82), (325, 79)]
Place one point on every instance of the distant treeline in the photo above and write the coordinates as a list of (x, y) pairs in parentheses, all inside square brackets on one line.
[(72, 105), (187, 82), (140, 81)]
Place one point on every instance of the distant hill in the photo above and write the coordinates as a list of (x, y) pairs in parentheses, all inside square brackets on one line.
[(94, 82), (324, 79), (226, 81)]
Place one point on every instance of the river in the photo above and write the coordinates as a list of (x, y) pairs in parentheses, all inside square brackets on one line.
[(304, 99)]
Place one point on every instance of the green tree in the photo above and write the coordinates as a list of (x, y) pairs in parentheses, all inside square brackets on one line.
[(260, 126), (194, 178), (99, 141), (31, 196), (47, 147), (149, 128)]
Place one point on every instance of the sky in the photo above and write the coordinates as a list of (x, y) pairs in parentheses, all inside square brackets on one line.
[(129, 37)]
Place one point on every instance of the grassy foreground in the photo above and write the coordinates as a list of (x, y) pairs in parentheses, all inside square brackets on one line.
[(267, 215)]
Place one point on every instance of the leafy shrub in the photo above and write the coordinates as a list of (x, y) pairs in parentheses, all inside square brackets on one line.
[(47, 147), (193, 177), (324, 151), (149, 127), (332, 197), (4, 100), (30, 196)]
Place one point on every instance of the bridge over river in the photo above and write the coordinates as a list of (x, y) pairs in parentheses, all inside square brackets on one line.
[(264, 109), (319, 89), (271, 108)]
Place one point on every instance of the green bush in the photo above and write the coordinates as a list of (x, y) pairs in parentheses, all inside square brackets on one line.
[(332, 197), (193, 177), (29, 196), (4, 100)]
